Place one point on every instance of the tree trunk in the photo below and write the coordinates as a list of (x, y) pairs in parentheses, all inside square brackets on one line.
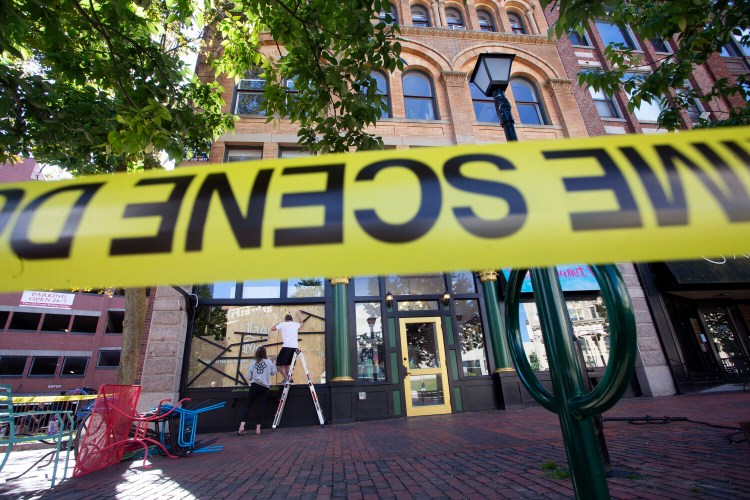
[(132, 333)]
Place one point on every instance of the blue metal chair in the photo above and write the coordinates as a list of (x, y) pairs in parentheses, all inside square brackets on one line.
[(178, 432)]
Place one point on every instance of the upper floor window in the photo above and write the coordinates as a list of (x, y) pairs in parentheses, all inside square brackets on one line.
[(293, 152), (485, 21), (694, 108), (516, 24), (419, 100), (612, 34), (243, 154), (527, 102), (660, 45), (484, 107), (249, 94), (389, 17), (605, 104), (420, 16), (454, 18), (648, 111), (579, 40), (382, 90), (739, 46)]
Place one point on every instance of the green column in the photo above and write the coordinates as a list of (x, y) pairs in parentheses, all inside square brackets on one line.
[(500, 349), (341, 365)]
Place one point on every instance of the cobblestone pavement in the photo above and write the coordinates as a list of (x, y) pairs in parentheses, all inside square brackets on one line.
[(501, 454)]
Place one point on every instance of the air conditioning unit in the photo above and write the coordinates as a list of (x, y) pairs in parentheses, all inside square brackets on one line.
[(705, 115)]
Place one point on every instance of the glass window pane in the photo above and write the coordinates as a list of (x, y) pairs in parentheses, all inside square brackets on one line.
[(516, 25), (305, 287), (426, 390), (529, 114), (522, 91), (218, 290), (371, 358), (224, 340), (485, 112), (244, 154), (415, 285), (660, 45), (417, 85), (261, 289), (605, 108), (462, 282), (419, 109), (577, 39), (74, 367), (418, 305), (249, 103), (422, 345), (43, 366), (473, 356), (293, 153), (366, 286), (612, 34)]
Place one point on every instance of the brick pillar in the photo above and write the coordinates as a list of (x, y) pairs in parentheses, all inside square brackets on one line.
[(162, 366), (459, 105), (397, 95), (270, 150), (567, 108), (405, 13), (651, 368), (472, 20), (504, 26), (440, 19)]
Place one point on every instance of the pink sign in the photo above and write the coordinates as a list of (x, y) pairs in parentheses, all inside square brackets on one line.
[(47, 299)]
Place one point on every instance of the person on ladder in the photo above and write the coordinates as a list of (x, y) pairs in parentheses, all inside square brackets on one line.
[(290, 343), (259, 377)]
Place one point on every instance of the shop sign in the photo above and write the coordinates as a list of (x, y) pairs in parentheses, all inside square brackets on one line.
[(52, 300)]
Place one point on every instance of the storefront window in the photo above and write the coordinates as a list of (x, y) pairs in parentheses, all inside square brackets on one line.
[(366, 286), (473, 356), (307, 287), (462, 282), (225, 339), (590, 325), (262, 289), (418, 305), (371, 359), (218, 290), (415, 285)]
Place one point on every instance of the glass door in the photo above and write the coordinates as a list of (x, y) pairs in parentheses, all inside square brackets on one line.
[(423, 358), (725, 341)]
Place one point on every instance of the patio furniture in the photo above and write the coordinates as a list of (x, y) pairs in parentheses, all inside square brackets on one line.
[(178, 431), (33, 425)]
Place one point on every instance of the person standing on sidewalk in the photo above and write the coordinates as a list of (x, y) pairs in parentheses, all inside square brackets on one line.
[(290, 343), (259, 377)]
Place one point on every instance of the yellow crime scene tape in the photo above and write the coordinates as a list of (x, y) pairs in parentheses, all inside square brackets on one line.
[(592, 200), (52, 399)]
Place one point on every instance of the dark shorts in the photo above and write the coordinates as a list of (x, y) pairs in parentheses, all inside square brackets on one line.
[(285, 356)]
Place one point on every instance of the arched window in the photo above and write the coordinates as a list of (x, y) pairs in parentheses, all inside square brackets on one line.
[(454, 18), (527, 102), (419, 100), (485, 21), (389, 17), (382, 90), (484, 107), (420, 16), (516, 25)]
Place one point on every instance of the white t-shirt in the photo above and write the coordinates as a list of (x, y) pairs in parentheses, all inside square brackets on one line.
[(289, 331), (260, 372)]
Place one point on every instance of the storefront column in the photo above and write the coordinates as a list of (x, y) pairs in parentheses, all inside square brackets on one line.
[(508, 389), (341, 358), (500, 351)]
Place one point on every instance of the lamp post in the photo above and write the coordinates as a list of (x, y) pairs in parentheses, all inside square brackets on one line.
[(492, 75), (371, 322)]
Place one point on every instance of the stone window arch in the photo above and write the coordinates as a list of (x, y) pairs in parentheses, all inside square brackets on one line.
[(486, 21), (420, 16), (454, 18)]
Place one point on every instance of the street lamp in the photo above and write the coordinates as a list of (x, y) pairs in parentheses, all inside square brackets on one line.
[(492, 75), (371, 322)]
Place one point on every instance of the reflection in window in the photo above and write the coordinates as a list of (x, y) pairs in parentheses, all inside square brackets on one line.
[(578, 40), (293, 153), (244, 154), (454, 18), (306, 287), (366, 286), (724, 339), (389, 17), (249, 94), (473, 356), (418, 305), (420, 16), (613, 35), (261, 289), (382, 90), (225, 338), (648, 111), (527, 102), (485, 21), (462, 282), (84, 324), (415, 284), (484, 107), (660, 45), (371, 359), (418, 96), (516, 25), (218, 290), (605, 104)]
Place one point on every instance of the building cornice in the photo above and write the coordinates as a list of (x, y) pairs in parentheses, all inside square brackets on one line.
[(477, 35)]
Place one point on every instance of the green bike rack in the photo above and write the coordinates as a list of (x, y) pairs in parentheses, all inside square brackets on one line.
[(574, 406)]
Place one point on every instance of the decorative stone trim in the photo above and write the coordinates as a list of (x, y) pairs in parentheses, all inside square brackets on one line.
[(340, 280), (477, 35), (560, 85), (487, 275), (457, 78)]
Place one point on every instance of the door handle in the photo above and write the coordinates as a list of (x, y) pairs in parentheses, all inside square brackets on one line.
[(406, 371)]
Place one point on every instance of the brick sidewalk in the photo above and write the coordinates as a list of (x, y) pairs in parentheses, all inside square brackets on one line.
[(501, 454)]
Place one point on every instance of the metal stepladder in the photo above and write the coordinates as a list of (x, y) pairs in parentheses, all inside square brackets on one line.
[(282, 402)]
